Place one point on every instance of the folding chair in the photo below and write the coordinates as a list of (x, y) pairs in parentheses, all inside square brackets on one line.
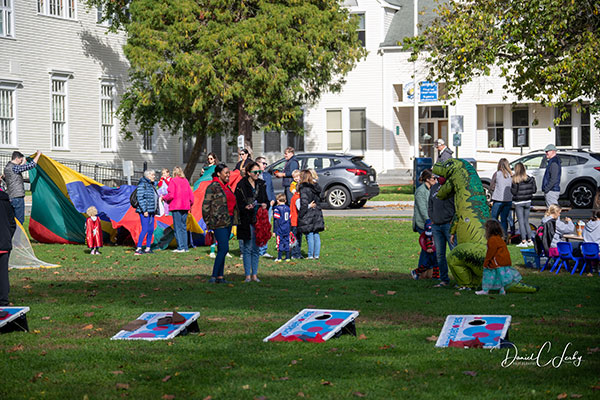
[(590, 251), (565, 252)]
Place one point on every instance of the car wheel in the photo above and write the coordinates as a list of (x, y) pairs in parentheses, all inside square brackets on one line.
[(358, 204), (582, 195), (338, 197), (488, 194)]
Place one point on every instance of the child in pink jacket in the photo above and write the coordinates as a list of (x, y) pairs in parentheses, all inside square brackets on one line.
[(180, 199)]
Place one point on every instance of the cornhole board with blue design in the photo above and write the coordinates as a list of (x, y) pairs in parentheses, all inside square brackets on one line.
[(15, 320), (151, 331), (315, 325), (489, 329)]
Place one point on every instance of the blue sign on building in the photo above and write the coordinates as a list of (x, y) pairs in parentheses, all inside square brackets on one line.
[(429, 91)]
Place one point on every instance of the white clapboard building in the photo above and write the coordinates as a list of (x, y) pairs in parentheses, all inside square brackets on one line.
[(374, 113)]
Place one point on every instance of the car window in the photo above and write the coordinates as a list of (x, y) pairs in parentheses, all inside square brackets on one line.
[(336, 161), (580, 160), (566, 161), (318, 163), (278, 165), (531, 162)]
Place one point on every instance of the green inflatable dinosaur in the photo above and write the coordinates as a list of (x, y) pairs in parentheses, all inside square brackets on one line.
[(465, 261)]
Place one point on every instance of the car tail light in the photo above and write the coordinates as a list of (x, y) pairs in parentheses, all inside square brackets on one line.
[(597, 168), (356, 171)]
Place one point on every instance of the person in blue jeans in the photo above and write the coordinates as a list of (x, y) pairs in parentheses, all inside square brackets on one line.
[(266, 176), (441, 213), (501, 194), (310, 216), (147, 208), (13, 177)]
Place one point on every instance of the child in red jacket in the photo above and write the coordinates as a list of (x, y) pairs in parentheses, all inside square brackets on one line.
[(428, 267), (93, 230)]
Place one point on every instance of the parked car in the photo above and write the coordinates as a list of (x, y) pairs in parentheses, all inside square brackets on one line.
[(580, 178), (346, 179)]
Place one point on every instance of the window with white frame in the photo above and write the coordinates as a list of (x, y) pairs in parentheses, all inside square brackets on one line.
[(100, 16), (107, 110), (58, 8), (361, 30), (585, 126), (59, 113), (520, 125), (7, 117), (334, 129), (6, 19), (358, 129), (495, 126), (564, 128)]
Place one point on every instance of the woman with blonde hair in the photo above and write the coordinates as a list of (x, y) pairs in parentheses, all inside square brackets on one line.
[(523, 188), (501, 195), (180, 199), (561, 228)]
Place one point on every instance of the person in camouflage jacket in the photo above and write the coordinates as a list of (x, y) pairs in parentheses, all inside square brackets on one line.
[(219, 212)]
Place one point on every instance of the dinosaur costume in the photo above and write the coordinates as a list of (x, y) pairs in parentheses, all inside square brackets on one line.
[(465, 261)]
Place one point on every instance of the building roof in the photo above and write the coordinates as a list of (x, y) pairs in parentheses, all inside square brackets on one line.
[(402, 22)]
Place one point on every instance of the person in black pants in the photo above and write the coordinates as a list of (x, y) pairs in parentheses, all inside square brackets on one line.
[(7, 229), (291, 164)]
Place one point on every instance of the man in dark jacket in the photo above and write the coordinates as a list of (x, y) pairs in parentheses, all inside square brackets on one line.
[(551, 181), (444, 153), (290, 165), (13, 176), (265, 176), (7, 229), (441, 213)]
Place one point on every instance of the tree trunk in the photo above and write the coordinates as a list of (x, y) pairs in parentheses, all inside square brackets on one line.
[(245, 125), (194, 156)]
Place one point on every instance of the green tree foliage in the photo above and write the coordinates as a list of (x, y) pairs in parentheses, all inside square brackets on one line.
[(547, 50), (198, 63)]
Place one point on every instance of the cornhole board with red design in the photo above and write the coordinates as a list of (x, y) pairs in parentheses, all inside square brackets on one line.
[(315, 325), (151, 331), (488, 329), (14, 320)]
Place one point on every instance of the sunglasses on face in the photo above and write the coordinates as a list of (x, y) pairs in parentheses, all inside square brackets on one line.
[(255, 172), (265, 163)]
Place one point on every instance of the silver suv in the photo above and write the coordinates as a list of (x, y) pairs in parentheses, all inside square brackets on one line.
[(346, 180), (580, 177)]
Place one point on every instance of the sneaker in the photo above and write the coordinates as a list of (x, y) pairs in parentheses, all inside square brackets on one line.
[(277, 260), (523, 244), (298, 258), (316, 258), (178, 251), (139, 251), (247, 280), (222, 280), (310, 258), (228, 255), (256, 280), (481, 293), (148, 250), (463, 287), (241, 256), (213, 255), (530, 243), (267, 255), (441, 285), (212, 280), (414, 274), (287, 260)]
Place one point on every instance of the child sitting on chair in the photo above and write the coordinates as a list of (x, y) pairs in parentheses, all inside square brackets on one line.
[(497, 270), (561, 228), (428, 267), (93, 230)]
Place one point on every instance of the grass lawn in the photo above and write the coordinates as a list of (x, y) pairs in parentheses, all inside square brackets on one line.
[(395, 193), (364, 266)]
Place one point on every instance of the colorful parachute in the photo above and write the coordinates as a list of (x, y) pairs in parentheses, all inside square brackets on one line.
[(22, 255), (61, 196)]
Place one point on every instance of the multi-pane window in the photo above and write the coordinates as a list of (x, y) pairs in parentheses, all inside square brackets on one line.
[(272, 141), (7, 117), (6, 18), (361, 29), (563, 129), (59, 113), (495, 126), (58, 8), (358, 129), (107, 125), (520, 124), (585, 126), (147, 141), (334, 129)]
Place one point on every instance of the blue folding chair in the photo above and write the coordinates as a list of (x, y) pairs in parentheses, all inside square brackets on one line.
[(565, 254), (590, 251)]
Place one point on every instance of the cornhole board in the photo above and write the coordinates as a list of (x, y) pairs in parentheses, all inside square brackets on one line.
[(15, 320), (151, 331), (489, 329), (315, 325)]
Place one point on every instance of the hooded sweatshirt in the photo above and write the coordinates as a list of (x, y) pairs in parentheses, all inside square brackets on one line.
[(591, 233), (562, 228)]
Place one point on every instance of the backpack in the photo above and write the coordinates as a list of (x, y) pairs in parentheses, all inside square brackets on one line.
[(133, 199), (543, 237)]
